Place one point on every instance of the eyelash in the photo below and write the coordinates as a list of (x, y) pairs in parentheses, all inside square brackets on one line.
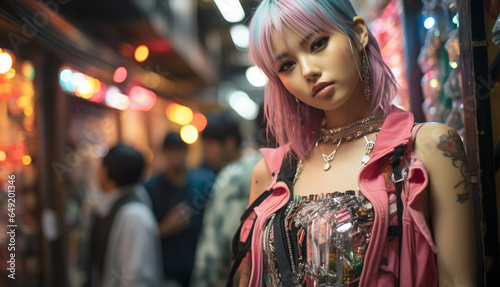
[(322, 43), (282, 66)]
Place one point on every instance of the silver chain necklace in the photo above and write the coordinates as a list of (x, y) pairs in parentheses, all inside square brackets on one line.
[(328, 158)]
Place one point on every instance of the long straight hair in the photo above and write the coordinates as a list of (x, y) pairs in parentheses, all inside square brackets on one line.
[(302, 17)]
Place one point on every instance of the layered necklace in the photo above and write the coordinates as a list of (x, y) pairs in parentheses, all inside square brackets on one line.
[(349, 132)]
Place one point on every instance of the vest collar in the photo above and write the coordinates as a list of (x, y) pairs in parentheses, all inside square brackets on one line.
[(395, 131)]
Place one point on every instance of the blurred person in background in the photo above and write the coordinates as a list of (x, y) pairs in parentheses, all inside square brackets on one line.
[(222, 140), (178, 195), (124, 244)]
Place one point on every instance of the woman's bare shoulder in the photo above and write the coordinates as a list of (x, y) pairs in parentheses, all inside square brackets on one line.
[(260, 180), (434, 138)]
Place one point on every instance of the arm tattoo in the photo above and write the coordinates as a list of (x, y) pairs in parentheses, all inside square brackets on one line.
[(451, 146)]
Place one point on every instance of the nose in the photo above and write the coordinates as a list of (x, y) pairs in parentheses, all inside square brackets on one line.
[(310, 69)]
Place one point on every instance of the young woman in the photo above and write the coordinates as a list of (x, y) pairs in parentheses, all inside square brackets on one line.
[(324, 206)]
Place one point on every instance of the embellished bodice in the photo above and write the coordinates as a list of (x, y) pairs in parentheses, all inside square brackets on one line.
[(326, 236)]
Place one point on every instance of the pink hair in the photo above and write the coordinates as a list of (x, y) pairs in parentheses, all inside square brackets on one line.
[(302, 17)]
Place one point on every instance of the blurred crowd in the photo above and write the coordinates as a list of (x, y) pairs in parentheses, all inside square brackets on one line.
[(176, 227)]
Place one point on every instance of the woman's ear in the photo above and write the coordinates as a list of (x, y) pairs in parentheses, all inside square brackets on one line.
[(360, 30)]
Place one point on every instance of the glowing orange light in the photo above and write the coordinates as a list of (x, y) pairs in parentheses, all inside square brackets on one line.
[(120, 75), (28, 111), (199, 121), (141, 53), (6, 88), (189, 134), (26, 160), (179, 114), (23, 102), (27, 89), (3, 156)]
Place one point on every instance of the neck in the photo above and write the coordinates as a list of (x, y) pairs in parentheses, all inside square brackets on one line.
[(356, 108)]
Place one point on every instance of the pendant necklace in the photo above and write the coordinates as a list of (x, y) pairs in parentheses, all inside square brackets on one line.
[(370, 144), (369, 148), (330, 157)]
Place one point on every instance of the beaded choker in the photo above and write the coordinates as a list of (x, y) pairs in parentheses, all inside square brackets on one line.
[(352, 131)]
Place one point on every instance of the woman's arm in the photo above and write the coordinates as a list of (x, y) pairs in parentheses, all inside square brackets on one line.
[(450, 203), (260, 180)]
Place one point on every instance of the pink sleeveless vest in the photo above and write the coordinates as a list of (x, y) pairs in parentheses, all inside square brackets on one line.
[(382, 260)]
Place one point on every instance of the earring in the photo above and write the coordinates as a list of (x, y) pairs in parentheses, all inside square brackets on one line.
[(355, 62), (299, 112), (365, 65)]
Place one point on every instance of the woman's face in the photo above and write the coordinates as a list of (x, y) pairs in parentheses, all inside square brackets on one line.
[(319, 69)]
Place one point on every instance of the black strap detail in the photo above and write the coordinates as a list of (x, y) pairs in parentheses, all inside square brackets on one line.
[(396, 170), (280, 249), (240, 249), (393, 230), (101, 227)]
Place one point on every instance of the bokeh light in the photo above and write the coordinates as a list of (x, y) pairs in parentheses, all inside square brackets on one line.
[(240, 35), (115, 99), (65, 75), (120, 75), (10, 73), (26, 160), (141, 98), (23, 102), (199, 121), (28, 71), (429, 23), (179, 114), (99, 92), (5, 63), (28, 111), (243, 105), (141, 53), (85, 87), (231, 10), (255, 76), (3, 156), (189, 134)]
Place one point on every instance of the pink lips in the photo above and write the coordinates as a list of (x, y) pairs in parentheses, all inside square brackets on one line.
[(322, 89)]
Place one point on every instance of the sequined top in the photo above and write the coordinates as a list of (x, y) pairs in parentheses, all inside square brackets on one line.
[(326, 236)]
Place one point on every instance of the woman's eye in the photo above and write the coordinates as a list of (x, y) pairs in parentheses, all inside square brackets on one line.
[(318, 44), (285, 66)]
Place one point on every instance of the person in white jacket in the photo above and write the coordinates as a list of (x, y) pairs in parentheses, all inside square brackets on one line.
[(124, 247)]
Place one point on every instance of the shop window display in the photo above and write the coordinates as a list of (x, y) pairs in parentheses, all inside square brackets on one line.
[(18, 172), (439, 61)]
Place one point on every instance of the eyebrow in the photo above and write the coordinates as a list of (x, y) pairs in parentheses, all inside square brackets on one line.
[(302, 42)]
